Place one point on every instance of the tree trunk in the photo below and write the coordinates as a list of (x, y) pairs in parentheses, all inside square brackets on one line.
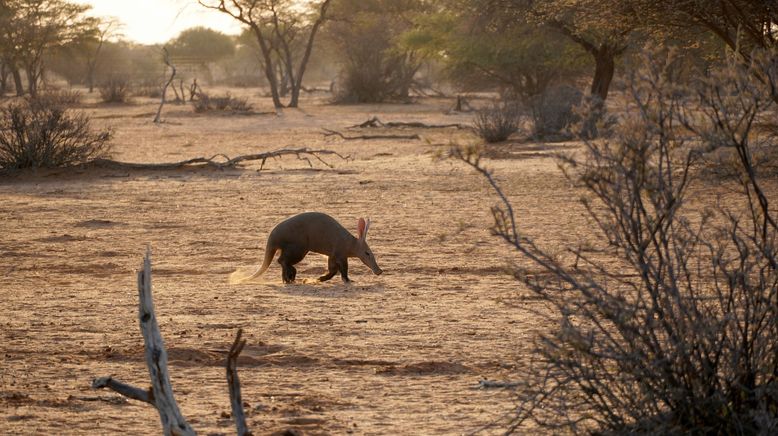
[(3, 79), (32, 83), (283, 86), (271, 78), (90, 79), (297, 83), (18, 82), (605, 66), (270, 73)]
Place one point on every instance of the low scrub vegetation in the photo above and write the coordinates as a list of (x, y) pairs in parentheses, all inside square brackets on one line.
[(115, 90), (56, 98), (497, 123), (553, 112), (225, 103), (668, 324), (37, 134)]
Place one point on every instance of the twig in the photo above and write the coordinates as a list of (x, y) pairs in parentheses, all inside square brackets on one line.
[(227, 162), (234, 385), (491, 384), (329, 132), (126, 390)]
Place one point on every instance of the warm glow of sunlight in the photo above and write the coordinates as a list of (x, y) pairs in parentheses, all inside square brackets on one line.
[(157, 21)]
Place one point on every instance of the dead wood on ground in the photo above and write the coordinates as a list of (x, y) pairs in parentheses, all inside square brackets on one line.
[(328, 132), (376, 122), (221, 161)]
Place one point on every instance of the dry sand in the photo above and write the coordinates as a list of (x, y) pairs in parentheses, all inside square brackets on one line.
[(400, 353)]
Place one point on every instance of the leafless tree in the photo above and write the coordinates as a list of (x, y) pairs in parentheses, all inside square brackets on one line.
[(166, 57), (105, 28)]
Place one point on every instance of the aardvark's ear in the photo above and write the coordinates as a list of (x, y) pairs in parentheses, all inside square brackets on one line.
[(361, 229)]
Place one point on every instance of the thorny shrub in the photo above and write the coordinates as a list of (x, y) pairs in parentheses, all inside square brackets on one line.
[(117, 89), (498, 122), (225, 103), (56, 98), (553, 111), (40, 135), (671, 327)]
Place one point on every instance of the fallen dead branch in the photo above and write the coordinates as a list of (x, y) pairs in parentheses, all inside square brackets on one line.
[(328, 132), (491, 384), (160, 394), (221, 161), (376, 122)]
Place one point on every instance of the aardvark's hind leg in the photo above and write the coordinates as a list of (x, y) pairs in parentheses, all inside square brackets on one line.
[(290, 255)]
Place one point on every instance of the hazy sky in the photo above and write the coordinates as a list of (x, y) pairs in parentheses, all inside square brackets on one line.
[(157, 21)]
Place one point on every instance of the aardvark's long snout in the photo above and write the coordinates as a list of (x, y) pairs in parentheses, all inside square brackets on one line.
[(377, 271)]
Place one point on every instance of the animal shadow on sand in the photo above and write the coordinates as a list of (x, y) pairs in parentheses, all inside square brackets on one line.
[(314, 288)]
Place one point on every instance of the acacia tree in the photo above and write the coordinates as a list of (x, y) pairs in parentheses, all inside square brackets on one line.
[(8, 54), (203, 45), (370, 38), (277, 25), (744, 26), (32, 28), (604, 29), (484, 48)]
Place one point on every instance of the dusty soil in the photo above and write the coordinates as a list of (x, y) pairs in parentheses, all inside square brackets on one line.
[(400, 353)]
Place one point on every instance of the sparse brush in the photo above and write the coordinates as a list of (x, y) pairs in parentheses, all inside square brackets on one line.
[(554, 111), (37, 135), (147, 91), (115, 90), (56, 98), (226, 103), (670, 326), (497, 123)]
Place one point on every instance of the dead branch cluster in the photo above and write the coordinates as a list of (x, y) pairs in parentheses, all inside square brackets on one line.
[(221, 161), (329, 132), (375, 122), (160, 394), (670, 326)]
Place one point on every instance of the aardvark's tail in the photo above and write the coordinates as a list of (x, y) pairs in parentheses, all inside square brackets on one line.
[(270, 252)]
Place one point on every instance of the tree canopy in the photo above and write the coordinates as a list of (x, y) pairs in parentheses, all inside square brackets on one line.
[(202, 44)]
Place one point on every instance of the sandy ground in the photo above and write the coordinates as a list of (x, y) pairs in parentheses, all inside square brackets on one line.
[(400, 353)]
